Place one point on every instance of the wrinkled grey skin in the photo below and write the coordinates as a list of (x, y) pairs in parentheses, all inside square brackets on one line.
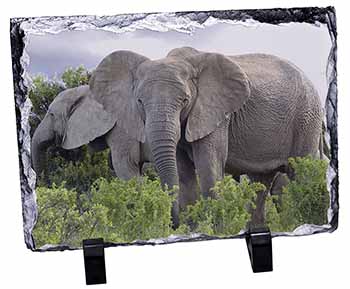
[(211, 113), (73, 119)]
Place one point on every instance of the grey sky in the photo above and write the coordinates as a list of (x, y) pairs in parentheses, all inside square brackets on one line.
[(305, 45)]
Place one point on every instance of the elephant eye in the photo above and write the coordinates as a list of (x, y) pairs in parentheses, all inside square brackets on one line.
[(186, 101), (139, 101)]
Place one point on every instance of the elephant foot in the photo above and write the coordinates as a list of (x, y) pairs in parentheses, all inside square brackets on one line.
[(175, 215)]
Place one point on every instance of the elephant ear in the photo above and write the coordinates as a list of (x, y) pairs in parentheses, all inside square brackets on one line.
[(86, 120), (112, 85), (222, 88)]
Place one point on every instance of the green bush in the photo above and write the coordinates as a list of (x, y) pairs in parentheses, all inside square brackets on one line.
[(273, 217), (117, 210), (60, 222), (74, 77), (228, 213), (138, 208), (79, 173), (123, 211), (305, 200)]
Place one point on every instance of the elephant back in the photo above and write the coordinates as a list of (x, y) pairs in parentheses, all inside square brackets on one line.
[(270, 75), (283, 103)]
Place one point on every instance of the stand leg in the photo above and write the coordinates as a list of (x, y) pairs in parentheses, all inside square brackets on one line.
[(94, 260), (259, 243)]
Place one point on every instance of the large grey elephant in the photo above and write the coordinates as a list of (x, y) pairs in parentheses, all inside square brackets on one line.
[(74, 119), (207, 113)]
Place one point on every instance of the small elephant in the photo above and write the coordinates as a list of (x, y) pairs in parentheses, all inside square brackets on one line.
[(73, 119), (208, 113)]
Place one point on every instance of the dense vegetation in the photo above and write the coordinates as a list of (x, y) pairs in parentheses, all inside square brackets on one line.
[(79, 198), (305, 200), (228, 213), (116, 210)]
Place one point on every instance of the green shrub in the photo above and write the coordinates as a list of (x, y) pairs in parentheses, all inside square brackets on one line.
[(116, 210), (138, 208), (123, 211), (273, 217), (305, 200), (79, 173), (74, 77), (228, 213), (60, 222)]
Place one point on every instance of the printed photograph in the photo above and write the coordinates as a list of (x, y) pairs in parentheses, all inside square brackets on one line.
[(163, 128)]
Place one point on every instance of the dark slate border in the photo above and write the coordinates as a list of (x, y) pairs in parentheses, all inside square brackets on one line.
[(20, 93), (332, 114), (310, 15), (272, 16)]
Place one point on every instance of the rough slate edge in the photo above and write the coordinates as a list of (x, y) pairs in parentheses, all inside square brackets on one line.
[(310, 15)]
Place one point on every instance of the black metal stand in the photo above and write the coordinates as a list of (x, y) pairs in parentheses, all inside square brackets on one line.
[(259, 243), (94, 260)]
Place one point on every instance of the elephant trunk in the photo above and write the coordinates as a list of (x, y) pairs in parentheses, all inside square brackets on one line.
[(42, 139), (163, 144), (165, 161), (163, 136)]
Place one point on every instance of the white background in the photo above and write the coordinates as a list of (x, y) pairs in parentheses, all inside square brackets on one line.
[(319, 261)]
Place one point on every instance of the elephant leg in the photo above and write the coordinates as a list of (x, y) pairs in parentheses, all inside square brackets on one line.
[(258, 214), (187, 179), (110, 164), (279, 181), (210, 155), (125, 154), (124, 166)]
